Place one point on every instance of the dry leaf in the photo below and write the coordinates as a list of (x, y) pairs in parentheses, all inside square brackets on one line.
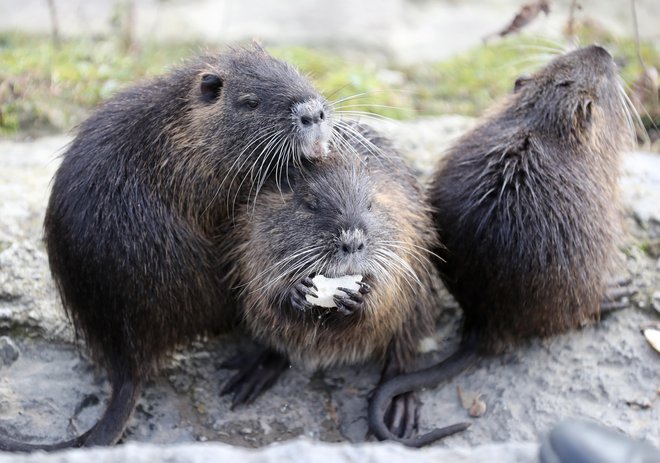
[(464, 397), (472, 402), (478, 407), (525, 16)]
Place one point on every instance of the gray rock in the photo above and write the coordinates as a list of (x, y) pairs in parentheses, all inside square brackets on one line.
[(8, 351), (641, 187), (423, 141), (655, 300)]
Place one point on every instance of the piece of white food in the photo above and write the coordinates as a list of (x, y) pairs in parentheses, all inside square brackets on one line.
[(326, 288)]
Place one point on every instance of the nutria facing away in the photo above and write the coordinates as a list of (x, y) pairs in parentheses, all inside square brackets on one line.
[(527, 207), (359, 215), (141, 204)]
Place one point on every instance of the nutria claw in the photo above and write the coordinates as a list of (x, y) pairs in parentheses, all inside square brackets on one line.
[(351, 302), (617, 296), (257, 372), (364, 287), (299, 291), (402, 415)]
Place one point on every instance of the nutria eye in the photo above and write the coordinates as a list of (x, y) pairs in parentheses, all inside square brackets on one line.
[(210, 87), (311, 203), (520, 82), (369, 206), (249, 101), (565, 83)]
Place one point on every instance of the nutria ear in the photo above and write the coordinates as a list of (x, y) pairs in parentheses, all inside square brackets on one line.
[(584, 113), (210, 87), (257, 46)]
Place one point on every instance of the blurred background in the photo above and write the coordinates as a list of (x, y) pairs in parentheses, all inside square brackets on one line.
[(413, 58)]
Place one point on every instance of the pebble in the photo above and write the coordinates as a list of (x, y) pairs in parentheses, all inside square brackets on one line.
[(9, 352)]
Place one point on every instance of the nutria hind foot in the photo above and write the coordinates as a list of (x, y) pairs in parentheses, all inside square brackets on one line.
[(399, 385), (257, 372), (402, 415), (617, 296)]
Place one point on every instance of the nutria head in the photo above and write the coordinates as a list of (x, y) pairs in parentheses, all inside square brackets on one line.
[(233, 120), (577, 97), (333, 219), (261, 105)]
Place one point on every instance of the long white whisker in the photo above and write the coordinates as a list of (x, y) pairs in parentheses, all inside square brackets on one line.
[(305, 251), (263, 156), (262, 173), (362, 140), (351, 97), (219, 189)]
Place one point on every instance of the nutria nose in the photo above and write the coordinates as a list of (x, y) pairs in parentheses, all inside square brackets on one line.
[(351, 242), (312, 117), (352, 247), (309, 113)]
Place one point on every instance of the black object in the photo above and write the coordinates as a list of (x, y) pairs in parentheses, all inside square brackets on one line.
[(579, 441)]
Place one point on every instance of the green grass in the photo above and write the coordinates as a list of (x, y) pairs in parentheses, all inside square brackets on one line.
[(44, 88)]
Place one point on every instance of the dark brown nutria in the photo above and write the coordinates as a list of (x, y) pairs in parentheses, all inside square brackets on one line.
[(351, 215), (141, 204), (527, 207)]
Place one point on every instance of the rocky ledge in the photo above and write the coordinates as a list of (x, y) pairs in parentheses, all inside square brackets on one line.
[(49, 390)]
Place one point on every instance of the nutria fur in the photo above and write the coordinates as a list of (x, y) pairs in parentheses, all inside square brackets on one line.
[(351, 215), (141, 205), (527, 207)]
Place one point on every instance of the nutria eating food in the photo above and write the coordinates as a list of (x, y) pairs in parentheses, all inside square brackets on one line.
[(351, 220)]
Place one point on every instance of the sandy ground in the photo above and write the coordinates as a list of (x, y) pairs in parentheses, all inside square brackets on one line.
[(607, 372)]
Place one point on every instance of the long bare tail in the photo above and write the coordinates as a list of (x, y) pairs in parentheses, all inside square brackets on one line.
[(428, 377), (107, 431)]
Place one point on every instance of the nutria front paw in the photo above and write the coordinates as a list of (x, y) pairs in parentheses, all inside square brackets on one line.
[(353, 301), (298, 293)]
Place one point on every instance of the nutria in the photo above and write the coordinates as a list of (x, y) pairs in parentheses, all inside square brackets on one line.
[(350, 215), (142, 202), (527, 207)]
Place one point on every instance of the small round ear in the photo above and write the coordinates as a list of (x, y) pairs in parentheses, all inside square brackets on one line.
[(210, 87), (585, 114), (257, 46)]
